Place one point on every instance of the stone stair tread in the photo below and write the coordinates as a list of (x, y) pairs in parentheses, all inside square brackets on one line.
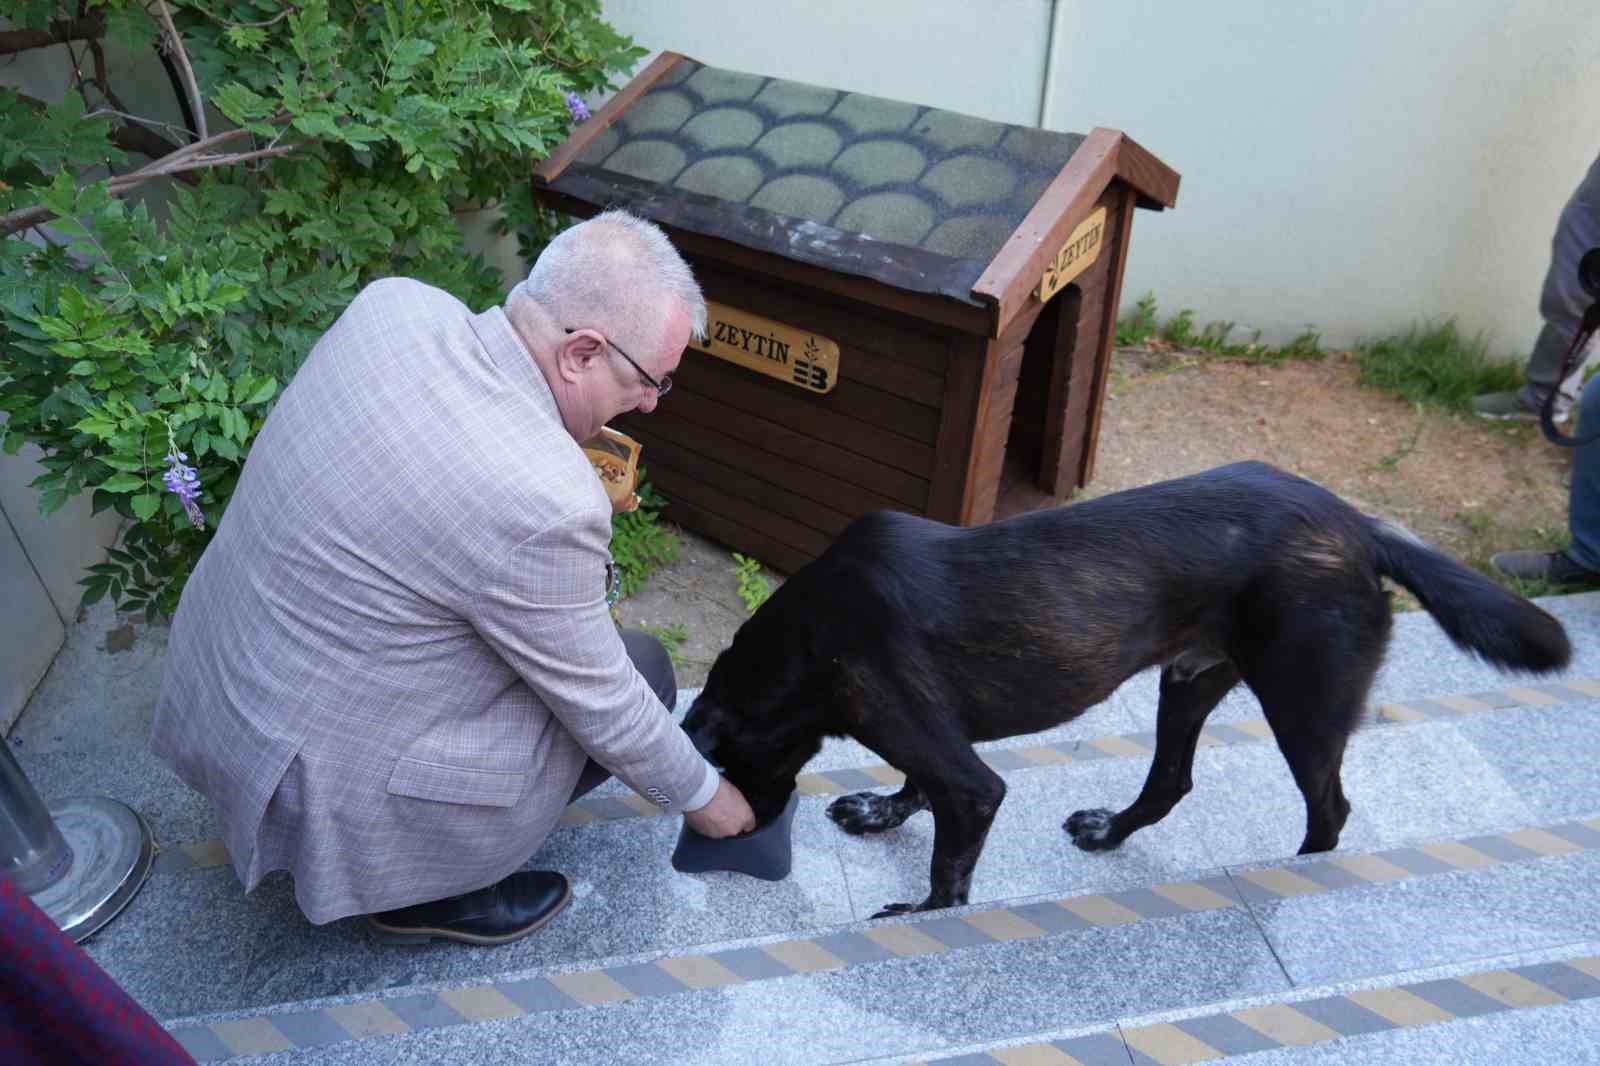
[(1404, 782), (991, 973), (200, 954)]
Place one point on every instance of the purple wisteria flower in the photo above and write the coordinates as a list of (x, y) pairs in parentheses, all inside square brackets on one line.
[(183, 480), (575, 104)]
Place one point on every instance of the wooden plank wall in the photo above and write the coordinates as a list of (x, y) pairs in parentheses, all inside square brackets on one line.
[(775, 471)]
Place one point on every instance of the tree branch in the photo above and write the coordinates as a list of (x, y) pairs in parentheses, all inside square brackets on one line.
[(188, 158), (145, 142), (102, 82), (175, 45), (128, 138), (60, 32)]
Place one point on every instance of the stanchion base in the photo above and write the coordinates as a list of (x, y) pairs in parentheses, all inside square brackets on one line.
[(112, 853)]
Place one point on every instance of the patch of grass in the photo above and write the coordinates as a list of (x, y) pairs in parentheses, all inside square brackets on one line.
[(1144, 328), (1435, 364), (672, 637), (753, 586), (1141, 325), (640, 544)]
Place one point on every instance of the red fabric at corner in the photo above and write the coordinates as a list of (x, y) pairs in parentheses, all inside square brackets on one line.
[(58, 1006)]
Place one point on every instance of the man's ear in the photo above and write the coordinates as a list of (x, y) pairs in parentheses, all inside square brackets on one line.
[(577, 353)]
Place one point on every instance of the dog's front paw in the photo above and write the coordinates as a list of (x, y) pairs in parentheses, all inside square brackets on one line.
[(898, 908), (1091, 830), (864, 812)]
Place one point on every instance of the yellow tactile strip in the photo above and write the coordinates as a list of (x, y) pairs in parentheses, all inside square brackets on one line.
[(1313, 1021), (201, 854), (1278, 1025)]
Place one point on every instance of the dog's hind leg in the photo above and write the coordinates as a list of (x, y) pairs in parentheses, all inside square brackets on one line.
[(871, 812), (1313, 707), (1186, 699), (964, 798), (1312, 735)]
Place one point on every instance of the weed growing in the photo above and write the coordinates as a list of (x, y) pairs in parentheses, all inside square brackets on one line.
[(753, 586), (1144, 328)]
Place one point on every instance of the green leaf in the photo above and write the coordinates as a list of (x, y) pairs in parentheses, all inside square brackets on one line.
[(74, 308), (98, 427), (123, 483), (318, 124), (264, 391), (52, 501), (146, 506)]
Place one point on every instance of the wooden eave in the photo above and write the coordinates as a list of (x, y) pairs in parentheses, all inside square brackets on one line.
[(1105, 155)]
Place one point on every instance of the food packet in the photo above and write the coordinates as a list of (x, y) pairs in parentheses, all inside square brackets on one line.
[(615, 458)]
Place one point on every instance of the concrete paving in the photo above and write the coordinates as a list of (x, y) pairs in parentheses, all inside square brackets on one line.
[(1473, 847)]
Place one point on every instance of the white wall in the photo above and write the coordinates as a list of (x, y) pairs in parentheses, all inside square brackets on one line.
[(981, 57), (1354, 165)]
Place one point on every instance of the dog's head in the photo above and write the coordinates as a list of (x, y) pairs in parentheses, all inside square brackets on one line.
[(757, 721)]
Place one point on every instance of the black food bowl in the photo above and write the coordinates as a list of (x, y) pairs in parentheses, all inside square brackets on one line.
[(765, 852)]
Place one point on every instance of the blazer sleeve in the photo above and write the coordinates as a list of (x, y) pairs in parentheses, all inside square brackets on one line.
[(543, 609)]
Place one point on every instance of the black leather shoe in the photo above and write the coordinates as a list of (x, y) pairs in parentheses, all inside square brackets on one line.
[(505, 911)]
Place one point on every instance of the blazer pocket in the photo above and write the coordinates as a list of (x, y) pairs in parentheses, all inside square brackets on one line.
[(457, 784)]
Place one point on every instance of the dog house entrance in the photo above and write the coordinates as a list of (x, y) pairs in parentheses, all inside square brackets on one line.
[(1034, 471)]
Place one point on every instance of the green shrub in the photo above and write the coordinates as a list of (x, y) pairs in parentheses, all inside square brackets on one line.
[(355, 133), (640, 544), (753, 586), (1434, 364)]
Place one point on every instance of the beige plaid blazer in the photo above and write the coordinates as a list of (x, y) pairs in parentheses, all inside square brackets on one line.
[(388, 667)]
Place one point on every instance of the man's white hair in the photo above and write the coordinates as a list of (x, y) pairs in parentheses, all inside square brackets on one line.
[(611, 274)]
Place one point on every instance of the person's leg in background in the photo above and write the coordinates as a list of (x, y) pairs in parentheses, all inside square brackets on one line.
[(1562, 302), (1580, 560)]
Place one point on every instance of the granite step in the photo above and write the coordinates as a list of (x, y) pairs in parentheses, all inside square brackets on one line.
[(1454, 752), (935, 985), (1533, 1008), (191, 942)]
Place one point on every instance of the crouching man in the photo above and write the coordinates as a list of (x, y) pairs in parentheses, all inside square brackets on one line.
[(394, 665)]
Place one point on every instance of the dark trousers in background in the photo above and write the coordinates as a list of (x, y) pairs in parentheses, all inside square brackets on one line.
[(650, 658)]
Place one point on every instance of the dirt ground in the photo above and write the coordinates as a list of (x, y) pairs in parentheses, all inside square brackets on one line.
[(1469, 486)]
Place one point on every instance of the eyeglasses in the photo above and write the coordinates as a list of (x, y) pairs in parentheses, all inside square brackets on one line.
[(662, 387)]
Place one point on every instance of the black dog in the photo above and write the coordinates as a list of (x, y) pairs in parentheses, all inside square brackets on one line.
[(918, 638)]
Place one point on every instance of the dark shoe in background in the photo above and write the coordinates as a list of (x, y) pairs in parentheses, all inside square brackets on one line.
[(1519, 404), (1555, 567), (505, 911)]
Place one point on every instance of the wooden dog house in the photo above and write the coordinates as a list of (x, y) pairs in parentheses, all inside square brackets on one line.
[(911, 309)]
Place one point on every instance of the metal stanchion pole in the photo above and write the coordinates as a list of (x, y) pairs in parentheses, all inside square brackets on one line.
[(81, 859)]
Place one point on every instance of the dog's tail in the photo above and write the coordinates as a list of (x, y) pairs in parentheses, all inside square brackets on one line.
[(1479, 616)]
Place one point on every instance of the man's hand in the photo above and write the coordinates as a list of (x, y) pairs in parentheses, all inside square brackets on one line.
[(728, 814)]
